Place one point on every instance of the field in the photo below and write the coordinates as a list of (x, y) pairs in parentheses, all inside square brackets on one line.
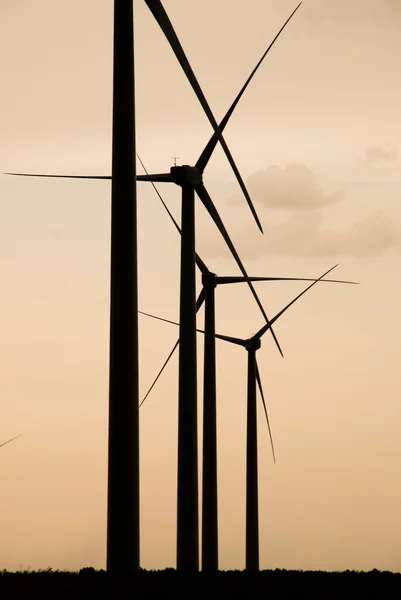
[(266, 584)]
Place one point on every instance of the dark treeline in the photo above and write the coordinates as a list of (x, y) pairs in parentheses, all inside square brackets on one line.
[(168, 583)]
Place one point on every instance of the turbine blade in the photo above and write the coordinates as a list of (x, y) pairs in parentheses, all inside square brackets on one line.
[(265, 409), (210, 207), (199, 303), (209, 148), (8, 441), (224, 280), (164, 22), (161, 178), (265, 327), (199, 262), (336, 281), (160, 372), (158, 318), (201, 299), (60, 176), (226, 338), (168, 321), (232, 340), (160, 198)]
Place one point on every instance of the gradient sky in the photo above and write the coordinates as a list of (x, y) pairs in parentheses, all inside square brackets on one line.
[(317, 138)]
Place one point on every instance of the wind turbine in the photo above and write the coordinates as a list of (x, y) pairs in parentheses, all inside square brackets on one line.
[(123, 549), (123, 553), (8, 441), (251, 345), (210, 281), (190, 180)]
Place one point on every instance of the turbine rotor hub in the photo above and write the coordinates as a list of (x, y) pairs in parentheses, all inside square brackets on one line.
[(253, 344), (186, 175), (209, 280)]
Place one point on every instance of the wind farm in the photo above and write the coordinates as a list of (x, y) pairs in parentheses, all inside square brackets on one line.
[(209, 461), (135, 454), (251, 345), (190, 180), (125, 524)]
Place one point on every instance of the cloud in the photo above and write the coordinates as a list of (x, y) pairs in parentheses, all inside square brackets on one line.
[(353, 12), (299, 191), (57, 234), (378, 153), (303, 235), (293, 186)]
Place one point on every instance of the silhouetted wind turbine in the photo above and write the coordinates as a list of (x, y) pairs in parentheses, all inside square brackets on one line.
[(209, 464), (190, 180), (123, 443), (8, 441), (210, 281), (252, 504), (123, 552)]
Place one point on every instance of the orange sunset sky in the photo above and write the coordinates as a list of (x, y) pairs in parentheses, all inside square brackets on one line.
[(317, 139)]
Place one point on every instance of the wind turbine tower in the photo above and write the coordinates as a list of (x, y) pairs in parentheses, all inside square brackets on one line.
[(123, 447)]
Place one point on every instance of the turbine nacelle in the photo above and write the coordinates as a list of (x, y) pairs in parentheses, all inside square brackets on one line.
[(253, 344), (209, 280), (186, 175)]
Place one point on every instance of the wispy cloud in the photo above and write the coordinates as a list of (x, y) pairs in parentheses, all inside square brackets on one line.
[(57, 234), (302, 234), (298, 191), (292, 187), (381, 153), (353, 12)]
